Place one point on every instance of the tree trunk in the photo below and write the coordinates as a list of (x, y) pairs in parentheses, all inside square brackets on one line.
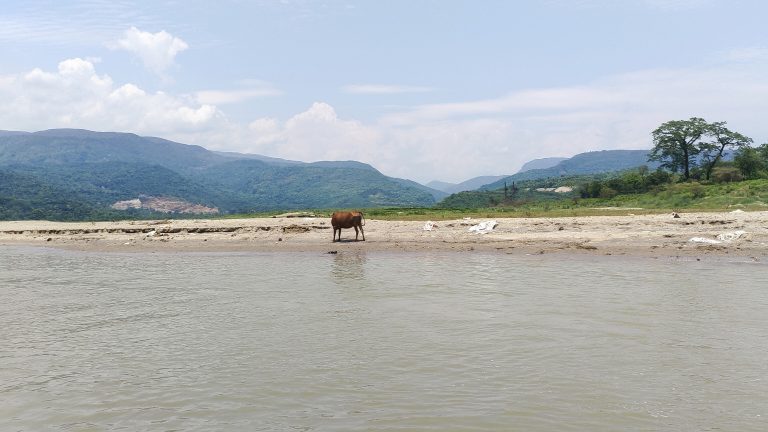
[(711, 165)]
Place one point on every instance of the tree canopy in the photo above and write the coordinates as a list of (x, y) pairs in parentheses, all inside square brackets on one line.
[(721, 138), (677, 143), (681, 145), (752, 162)]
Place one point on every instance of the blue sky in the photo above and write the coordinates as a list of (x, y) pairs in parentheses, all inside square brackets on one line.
[(420, 89)]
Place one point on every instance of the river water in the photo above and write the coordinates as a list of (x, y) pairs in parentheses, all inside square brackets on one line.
[(380, 341)]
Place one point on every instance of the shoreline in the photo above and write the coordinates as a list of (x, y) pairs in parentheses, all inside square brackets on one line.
[(742, 235)]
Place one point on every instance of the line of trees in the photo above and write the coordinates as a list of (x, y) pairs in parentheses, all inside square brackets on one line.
[(635, 181), (691, 149), (752, 161)]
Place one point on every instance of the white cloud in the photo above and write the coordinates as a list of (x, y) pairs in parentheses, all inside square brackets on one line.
[(525, 102), (264, 131), (77, 96), (450, 142), (247, 89), (456, 141), (157, 51), (663, 5), (676, 5), (746, 54), (384, 89), (222, 97), (62, 23), (315, 134)]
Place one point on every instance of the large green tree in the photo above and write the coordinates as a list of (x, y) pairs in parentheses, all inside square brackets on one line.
[(676, 144), (680, 145), (721, 138)]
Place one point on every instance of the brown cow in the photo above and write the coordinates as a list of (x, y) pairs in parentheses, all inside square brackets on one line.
[(347, 219)]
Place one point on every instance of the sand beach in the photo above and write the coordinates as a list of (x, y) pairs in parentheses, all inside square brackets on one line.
[(735, 234)]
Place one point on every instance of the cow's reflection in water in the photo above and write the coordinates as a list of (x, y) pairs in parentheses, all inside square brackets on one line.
[(348, 267)]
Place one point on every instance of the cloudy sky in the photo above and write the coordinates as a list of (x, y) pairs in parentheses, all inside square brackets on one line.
[(421, 89)]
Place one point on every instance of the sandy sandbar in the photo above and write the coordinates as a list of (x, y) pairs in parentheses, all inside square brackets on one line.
[(735, 234)]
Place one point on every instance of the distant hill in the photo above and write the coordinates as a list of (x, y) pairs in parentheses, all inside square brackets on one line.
[(471, 184), (275, 187), (102, 184), (437, 194), (72, 146), (440, 185), (11, 133), (272, 160), (478, 182), (30, 197), (97, 169), (583, 163), (342, 164), (542, 163)]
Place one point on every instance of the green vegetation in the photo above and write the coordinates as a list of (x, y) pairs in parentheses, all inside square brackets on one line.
[(27, 197), (295, 187), (92, 170), (629, 182), (87, 179), (751, 195), (102, 184), (692, 196), (751, 162), (694, 148), (681, 145), (589, 163)]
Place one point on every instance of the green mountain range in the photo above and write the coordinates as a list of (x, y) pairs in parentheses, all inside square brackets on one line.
[(584, 163), (77, 174), (466, 185), (541, 163), (580, 168), (71, 174)]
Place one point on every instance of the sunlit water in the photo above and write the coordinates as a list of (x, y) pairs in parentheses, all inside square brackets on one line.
[(380, 341)]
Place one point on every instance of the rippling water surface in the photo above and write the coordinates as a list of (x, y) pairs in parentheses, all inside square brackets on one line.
[(380, 341)]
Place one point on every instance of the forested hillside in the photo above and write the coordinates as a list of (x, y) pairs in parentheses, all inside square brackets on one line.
[(29, 197), (583, 163), (82, 173)]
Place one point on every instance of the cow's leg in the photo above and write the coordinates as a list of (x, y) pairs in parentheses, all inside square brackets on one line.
[(362, 232), (334, 234), (356, 233)]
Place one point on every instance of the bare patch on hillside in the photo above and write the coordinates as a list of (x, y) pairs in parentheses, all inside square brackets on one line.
[(164, 205)]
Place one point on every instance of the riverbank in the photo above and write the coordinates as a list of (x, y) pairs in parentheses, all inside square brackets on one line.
[(738, 234)]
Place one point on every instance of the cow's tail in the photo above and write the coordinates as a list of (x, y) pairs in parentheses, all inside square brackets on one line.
[(362, 216)]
